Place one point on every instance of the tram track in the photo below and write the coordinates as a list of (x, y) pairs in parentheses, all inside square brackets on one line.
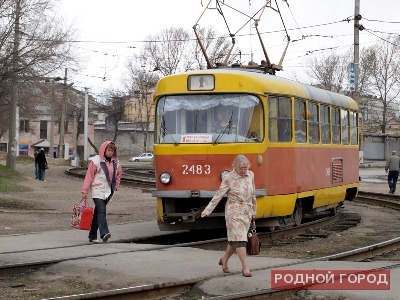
[(387, 200), (151, 243), (135, 177), (181, 287), (359, 254), (155, 291)]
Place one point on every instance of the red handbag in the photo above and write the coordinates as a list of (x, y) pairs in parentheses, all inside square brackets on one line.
[(82, 215)]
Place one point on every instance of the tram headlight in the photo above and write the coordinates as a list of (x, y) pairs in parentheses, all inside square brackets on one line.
[(223, 173), (165, 178)]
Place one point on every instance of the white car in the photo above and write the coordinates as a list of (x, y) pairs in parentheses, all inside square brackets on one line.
[(142, 157)]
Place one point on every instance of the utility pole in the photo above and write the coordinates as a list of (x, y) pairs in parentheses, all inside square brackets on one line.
[(85, 127), (12, 141), (63, 117), (355, 95), (357, 18), (52, 119)]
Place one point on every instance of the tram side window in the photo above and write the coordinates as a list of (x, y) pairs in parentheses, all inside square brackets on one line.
[(301, 114), (345, 127), (256, 129), (325, 124), (280, 119), (354, 127), (313, 123), (336, 125)]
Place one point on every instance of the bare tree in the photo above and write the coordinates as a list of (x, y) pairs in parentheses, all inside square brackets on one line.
[(330, 71), (42, 49), (167, 49), (114, 108), (140, 85), (384, 76)]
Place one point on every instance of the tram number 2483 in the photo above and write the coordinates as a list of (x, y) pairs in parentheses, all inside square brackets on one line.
[(196, 169)]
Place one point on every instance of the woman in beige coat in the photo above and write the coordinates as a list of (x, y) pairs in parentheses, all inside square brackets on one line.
[(240, 209)]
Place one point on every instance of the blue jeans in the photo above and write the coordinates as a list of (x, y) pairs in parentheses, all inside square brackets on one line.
[(99, 221), (392, 180), (36, 170), (41, 171)]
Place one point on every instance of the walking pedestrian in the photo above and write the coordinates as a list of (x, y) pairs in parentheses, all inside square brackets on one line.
[(393, 166), (103, 177), (240, 210), (36, 164), (41, 164)]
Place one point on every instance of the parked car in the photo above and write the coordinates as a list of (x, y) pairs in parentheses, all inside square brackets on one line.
[(142, 157)]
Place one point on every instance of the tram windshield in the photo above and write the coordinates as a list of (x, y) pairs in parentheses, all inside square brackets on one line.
[(200, 119)]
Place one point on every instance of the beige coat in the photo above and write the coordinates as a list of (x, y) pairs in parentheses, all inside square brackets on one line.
[(240, 206)]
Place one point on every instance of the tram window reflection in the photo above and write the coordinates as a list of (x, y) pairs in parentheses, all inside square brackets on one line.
[(345, 127), (325, 124), (336, 126), (280, 119)]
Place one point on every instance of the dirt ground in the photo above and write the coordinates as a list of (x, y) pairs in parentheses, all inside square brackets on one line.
[(46, 205), (43, 206)]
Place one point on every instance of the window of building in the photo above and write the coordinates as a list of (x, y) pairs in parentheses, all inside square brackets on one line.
[(24, 125), (43, 129), (3, 147), (81, 128)]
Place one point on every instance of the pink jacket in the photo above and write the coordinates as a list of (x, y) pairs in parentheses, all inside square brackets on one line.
[(102, 184)]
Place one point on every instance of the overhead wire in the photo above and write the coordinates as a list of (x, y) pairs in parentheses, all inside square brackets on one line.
[(299, 28)]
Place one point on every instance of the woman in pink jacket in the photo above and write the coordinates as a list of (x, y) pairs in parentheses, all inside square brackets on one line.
[(240, 209), (103, 178)]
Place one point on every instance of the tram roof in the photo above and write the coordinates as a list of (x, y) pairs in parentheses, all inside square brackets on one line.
[(287, 86)]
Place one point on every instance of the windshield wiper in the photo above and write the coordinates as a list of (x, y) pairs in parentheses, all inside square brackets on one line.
[(226, 129), (164, 131)]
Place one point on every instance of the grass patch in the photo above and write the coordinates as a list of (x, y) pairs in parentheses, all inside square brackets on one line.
[(8, 179), (25, 160)]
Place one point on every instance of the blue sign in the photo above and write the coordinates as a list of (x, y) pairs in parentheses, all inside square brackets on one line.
[(352, 76)]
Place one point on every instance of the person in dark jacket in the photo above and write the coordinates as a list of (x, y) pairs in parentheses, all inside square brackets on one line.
[(41, 163), (36, 164), (393, 166)]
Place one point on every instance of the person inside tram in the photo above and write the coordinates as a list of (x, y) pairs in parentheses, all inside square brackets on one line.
[(301, 131), (284, 130), (223, 120)]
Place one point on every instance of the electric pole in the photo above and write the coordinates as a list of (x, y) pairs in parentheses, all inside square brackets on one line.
[(355, 95), (12, 139), (357, 18), (63, 117)]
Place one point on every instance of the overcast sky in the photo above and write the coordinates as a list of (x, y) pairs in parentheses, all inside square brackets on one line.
[(111, 31)]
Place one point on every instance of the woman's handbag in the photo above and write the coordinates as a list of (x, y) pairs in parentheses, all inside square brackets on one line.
[(82, 215), (253, 245)]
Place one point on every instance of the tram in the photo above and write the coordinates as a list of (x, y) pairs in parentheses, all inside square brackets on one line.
[(302, 143)]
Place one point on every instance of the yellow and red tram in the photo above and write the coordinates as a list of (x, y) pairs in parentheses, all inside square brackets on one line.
[(302, 143)]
